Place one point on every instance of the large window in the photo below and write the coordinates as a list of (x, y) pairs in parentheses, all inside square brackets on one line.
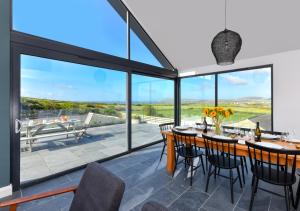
[(139, 51), (196, 93), (71, 115), (92, 24), (152, 104), (248, 93)]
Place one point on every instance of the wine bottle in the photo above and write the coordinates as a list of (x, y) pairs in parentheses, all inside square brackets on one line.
[(205, 125), (257, 132)]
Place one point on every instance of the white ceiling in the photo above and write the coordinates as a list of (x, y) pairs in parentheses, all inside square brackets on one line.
[(184, 29)]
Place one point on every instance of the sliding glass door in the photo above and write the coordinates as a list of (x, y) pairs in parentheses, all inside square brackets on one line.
[(152, 104), (71, 114)]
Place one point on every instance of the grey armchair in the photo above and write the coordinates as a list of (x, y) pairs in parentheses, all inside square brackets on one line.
[(99, 190)]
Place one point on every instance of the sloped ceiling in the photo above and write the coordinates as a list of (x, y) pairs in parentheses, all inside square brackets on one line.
[(184, 29)]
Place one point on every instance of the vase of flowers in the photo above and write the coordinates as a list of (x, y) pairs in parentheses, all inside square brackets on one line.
[(217, 114)]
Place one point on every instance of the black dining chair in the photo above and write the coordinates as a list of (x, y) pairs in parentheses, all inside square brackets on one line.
[(165, 127), (186, 147), (209, 127), (221, 154), (242, 158), (273, 166)]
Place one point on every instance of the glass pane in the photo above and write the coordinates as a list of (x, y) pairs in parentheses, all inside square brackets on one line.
[(152, 104), (92, 24), (248, 93), (196, 93), (139, 52), (72, 114)]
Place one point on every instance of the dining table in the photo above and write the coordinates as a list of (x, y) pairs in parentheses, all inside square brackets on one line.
[(241, 147)]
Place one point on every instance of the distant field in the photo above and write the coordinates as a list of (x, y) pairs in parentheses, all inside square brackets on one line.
[(243, 110)]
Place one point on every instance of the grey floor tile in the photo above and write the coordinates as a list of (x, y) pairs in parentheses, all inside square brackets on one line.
[(261, 200), (190, 200), (220, 199)]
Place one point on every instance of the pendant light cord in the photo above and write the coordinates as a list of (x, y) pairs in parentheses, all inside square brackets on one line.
[(225, 14)]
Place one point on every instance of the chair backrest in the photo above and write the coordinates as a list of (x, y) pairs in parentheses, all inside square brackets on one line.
[(99, 190), (184, 141), (221, 150), (278, 160), (88, 119), (153, 206), (165, 127)]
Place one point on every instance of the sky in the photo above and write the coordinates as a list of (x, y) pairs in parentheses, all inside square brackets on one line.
[(234, 85), (95, 25), (58, 80), (92, 24)]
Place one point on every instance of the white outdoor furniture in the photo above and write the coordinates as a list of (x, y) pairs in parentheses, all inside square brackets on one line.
[(41, 130)]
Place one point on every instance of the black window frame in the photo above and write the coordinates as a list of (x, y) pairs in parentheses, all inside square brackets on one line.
[(217, 73), (27, 44)]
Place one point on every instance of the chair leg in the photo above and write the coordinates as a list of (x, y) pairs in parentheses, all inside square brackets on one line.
[(176, 160), (245, 162), (292, 195), (239, 175), (255, 182), (208, 176), (231, 185), (206, 162), (202, 164), (192, 168), (252, 182), (297, 196), (242, 165), (215, 172), (287, 200), (162, 152)]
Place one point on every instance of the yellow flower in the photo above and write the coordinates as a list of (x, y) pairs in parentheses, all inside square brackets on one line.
[(230, 111), (213, 114), (227, 114), (219, 108), (205, 111)]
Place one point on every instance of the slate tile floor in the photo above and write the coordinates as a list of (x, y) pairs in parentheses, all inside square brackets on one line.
[(146, 179)]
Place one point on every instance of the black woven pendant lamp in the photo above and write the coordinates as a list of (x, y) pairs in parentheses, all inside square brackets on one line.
[(226, 45)]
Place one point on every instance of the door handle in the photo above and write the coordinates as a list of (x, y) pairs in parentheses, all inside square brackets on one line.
[(18, 126)]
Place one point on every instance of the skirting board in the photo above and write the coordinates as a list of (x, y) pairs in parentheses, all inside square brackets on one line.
[(5, 191)]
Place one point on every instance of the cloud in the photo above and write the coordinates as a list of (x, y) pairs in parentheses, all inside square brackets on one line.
[(235, 80)]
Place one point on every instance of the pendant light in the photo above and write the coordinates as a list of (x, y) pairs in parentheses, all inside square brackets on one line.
[(226, 44)]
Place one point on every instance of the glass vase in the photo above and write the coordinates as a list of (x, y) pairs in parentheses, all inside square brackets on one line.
[(218, 128)]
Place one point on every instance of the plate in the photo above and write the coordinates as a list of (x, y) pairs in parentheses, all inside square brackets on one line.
[(269, 145), (221, 137), (182, 127), (243, 142), (269, 136), (294, 140)]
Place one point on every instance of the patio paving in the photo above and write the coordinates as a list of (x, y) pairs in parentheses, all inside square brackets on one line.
[(56, 154)]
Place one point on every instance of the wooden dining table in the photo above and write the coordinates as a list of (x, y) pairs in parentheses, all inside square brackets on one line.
[(241, 149)]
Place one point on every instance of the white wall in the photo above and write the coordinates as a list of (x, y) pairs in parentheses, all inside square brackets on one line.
[(286, 85)]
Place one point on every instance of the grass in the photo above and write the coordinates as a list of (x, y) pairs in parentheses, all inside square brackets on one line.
[(243, 110)]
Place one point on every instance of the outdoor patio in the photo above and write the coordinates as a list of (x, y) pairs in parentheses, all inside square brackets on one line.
[(56, 154)]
